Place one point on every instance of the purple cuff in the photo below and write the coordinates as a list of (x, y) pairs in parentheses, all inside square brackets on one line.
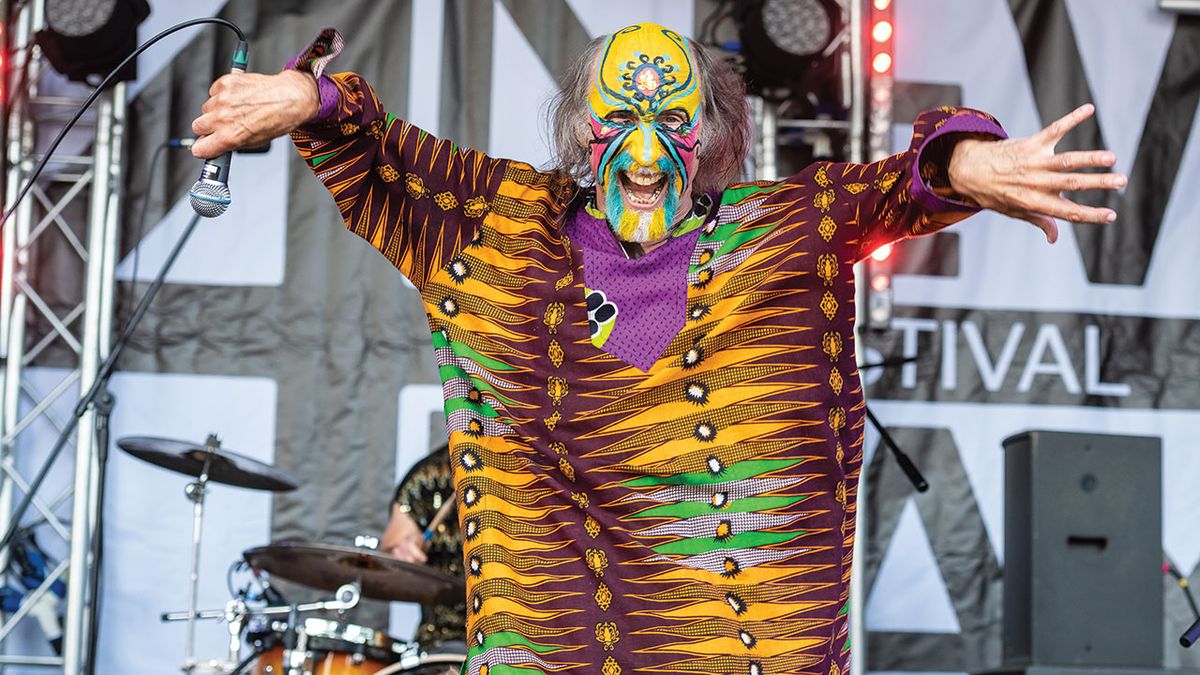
[(962, 123), (313, 59)]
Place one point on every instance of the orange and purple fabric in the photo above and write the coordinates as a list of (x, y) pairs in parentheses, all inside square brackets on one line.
[(683, 499)]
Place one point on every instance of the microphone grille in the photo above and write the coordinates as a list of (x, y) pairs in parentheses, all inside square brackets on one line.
[(209, 198)]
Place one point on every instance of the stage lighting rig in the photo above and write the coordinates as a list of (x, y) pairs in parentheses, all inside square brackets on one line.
[(86, 38), (881, 79), (788, 46)]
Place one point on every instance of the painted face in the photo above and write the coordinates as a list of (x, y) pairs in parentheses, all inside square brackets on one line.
[(645, 119)]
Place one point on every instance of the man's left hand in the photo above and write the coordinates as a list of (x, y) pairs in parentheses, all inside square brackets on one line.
[(1024, 177)]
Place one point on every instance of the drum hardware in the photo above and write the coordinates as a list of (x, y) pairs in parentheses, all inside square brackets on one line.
[(296, 658), (237, 612), (329, 647)]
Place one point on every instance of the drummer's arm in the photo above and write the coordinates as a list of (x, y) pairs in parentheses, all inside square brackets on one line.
[(402, 538)]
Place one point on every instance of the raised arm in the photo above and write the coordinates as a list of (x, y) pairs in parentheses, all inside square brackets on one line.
[(415, 198), (960, 161)]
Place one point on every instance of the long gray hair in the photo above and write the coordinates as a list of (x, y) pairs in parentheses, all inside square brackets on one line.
[(724, 130)]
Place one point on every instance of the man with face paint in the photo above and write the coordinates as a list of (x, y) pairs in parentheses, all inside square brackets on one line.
[(655, 416)]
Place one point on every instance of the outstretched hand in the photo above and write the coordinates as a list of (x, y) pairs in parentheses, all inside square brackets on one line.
[(1024, 177), (249, 109)]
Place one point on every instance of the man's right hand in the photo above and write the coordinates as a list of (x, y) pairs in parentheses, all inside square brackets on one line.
[(250, 109), (402, 538)]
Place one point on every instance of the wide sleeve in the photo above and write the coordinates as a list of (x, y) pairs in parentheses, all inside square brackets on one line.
[(416, 198), (903, 195)]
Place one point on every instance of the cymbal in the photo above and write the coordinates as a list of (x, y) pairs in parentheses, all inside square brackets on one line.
[(328, 566), (225, 466)]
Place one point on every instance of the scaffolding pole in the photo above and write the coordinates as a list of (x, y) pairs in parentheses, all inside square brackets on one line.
[(75, 210)]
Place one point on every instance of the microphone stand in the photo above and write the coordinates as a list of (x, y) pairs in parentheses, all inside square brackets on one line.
[(906, 464), (99, 397), (1190, 635)]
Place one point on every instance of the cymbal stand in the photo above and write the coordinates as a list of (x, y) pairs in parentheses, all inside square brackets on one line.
[(195, 492)]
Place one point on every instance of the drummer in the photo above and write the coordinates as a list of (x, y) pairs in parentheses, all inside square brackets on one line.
[(418, 498)]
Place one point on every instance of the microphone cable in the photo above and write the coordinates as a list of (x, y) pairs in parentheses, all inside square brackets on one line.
[(140, 221), (100, 88)]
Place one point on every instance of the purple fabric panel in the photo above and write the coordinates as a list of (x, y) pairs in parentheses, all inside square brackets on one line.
[(650, 292), (958, 124), (313, 59), (328, 92)]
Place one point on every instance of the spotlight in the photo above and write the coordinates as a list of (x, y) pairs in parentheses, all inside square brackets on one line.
[(882, 32), (83, 38), (880, 254), (786, 41)]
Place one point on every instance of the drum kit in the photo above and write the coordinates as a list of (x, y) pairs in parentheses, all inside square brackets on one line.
[(297, 639)]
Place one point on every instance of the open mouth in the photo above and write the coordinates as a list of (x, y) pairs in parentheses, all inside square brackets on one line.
[(643, 188)]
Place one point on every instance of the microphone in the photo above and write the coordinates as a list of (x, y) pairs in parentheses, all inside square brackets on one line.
[(210, 193)]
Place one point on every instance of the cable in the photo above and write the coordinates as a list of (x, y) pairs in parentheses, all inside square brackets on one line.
[(1170, 568), (96, 94), (141, 220)]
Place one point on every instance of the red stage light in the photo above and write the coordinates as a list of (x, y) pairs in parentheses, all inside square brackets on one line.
[(880, 282), (882, 4), (882, 32), (880, 254), (882, 62)]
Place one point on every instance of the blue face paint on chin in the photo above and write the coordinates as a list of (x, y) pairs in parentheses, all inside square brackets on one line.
[(635, 226)]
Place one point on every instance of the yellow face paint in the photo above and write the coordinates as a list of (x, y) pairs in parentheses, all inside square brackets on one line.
[(645, 117), (646, 69)]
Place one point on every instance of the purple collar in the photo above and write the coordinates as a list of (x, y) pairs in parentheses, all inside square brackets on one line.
[(644, 300)]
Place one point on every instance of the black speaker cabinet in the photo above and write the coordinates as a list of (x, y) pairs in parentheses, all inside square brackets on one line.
[(1083, 550)]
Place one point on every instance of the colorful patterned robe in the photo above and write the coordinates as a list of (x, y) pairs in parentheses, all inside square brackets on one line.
[(694, 517)]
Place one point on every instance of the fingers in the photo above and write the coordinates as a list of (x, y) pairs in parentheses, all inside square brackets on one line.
[(207, 147), (204, 124), (415, 553), (1065, 209), (408, 550), (213, 138), (1077, 182), (1074, 161), (1044, 223), (1059, 128)]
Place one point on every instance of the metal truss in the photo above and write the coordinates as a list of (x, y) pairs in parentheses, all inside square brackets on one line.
[(71, 211)]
